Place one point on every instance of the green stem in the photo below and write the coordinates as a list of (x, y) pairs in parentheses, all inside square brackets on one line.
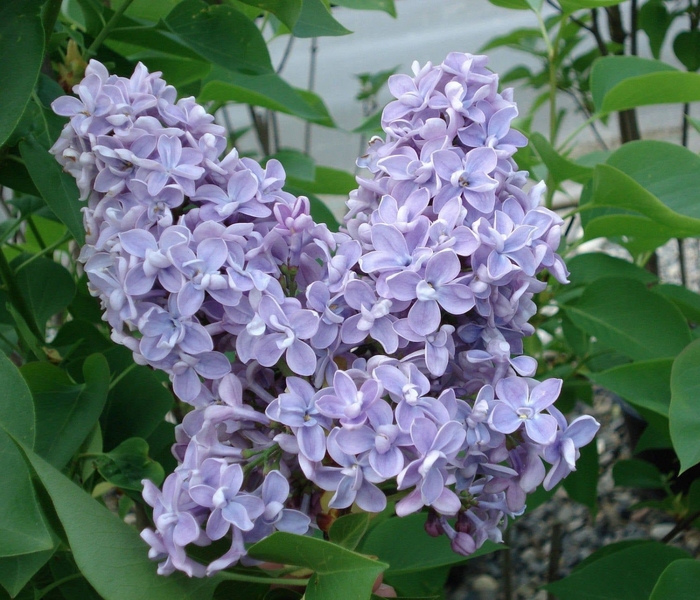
[(265, 580), (11, 344), (35, 231), (55, 584), (107, 29), (594, 117), (8, 278), (121, 376), (46, 249)]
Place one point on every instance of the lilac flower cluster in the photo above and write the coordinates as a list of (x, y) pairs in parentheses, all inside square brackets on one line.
[(384, 358)]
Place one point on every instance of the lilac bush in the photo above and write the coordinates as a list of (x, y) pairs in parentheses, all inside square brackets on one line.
[(386, 359)]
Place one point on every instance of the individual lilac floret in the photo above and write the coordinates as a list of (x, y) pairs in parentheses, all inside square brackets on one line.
[(520, 403)]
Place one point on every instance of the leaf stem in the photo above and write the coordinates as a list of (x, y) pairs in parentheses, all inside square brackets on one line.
[(46, 249), (266, 580), (49, 15), (107, 29), (55, 584), (124, 373)]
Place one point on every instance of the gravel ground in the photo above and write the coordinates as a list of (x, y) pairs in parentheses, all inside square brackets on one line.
[(530, 535)]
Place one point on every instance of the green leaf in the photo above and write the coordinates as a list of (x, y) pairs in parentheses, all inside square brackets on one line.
[(654, 19), (637, 473), (222, 35), (152, 10), (403, 543), (46, 286), (637, 233), (66, 412), (686, 300), (287, 11), (582, 484), (628, 574), (296, 164), (326, 180), (680, 581), (335, 567), (128, 464), (612, 187), (16, 404), (20, 27), (347, 531), (645, 383), (609, 72), (570, 6), (514, 4), (386, 6), (371, 125), (267, 91), (686, 47), (108, 552), (22, 526), (57, 187), (560, 167), (684, 413), (16, 571), (315, 20), (591, 266), (625, 316), (608, 550), (655, 88), (135, 406)]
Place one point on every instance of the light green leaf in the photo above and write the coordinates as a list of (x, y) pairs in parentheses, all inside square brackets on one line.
[(347, 531), (668, 87), (560, 167), (335, 567), (315, 20), (686, 300), (386, 6), (57, 187), (222, 35), (684, 413), (680, 581), (403, 543), (296, 164), (267, 91), (16, 404), (514, 4), (108, 552), (22, 526), (20, 27), (66, 412), (637, 473), (608, 72), (287, 11), (612, 187), (326, 181), (637, 233), (628, 574), (625, 316), (645, 383)]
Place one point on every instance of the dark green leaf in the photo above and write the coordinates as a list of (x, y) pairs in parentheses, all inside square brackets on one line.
[(179, 71), (645, 383), (347, 531), (609, 550), (654, 19), (637, 473), (575, 337), (136, 404), (625, 316), (296, 164), (222, 35), (20, 27), (77, 340), (570, 6), (326, 181), (611, 71), (384, 5), (515, 4), (629, 574), (404, 544), (287, 11), (587, 268), (582, 484), (371, 125), (57, 187), (22, 526), (46, 286), (110, 553), (684, 413), (560, 167), (16, 571), (315, 20), (686, 300), (14, 175), (680, 581), (639, 234), (686, 47), (128, 464), (16, 404), (66, 412), (335, 567)]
